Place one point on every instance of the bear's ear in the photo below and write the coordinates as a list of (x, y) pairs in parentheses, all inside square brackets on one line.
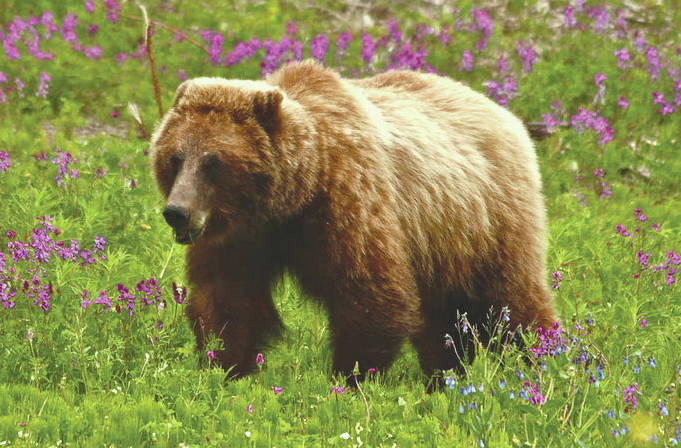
[(179, 93), (267, 109)]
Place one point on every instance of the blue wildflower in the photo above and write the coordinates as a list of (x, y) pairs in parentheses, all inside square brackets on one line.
[(599, 369)]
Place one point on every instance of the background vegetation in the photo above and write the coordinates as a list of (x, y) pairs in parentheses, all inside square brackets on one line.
[(95, 347)]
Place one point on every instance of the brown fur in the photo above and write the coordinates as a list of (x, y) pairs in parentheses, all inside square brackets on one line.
[(396, 200)]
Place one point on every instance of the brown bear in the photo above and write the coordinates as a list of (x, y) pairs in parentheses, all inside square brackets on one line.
[(396, 200)]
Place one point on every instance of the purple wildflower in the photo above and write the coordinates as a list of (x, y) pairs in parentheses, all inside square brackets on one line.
[(215, 48), (485, 26), (103, 299), (599, 79), (5, 161), (467, 60), (43, 85), (94, 52), (630, 398), (550, 122), (338, 390), (623, 58), (533, 394), (368, 48), (211, 355), (276, 389), (318, 47), (112, 9), (557, 278), (179, 294), (89, 6), (502, 64), (68, 25), (343, 42), (643, 259), (445, 36), (259, 360), (654, 64), (126, 297), (99, 246), (7, 292), (587, 119), (62, 161), (527, 54), (85, 302), (622, 230), (604, 188), (249, 409), (394, 31), (569, 16), (150, 291), (643, 321), (601, 18), (551, 341)]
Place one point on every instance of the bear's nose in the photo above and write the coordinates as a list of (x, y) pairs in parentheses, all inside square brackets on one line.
[(177, 217)]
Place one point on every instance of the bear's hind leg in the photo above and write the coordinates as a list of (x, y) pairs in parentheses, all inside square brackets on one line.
[(369, 326)]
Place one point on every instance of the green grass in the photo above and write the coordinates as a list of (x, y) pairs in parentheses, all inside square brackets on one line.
[(88, 377)]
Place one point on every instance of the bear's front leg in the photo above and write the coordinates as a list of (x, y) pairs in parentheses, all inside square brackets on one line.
[(231, 298)]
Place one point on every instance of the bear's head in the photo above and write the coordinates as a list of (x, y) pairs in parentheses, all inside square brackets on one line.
[(215, 156)]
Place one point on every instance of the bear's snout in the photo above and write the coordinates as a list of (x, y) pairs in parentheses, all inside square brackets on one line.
[(177, 217), (180, 219)]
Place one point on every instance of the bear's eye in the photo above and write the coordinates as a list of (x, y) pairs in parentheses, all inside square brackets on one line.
[(212, 165), (175, 162)]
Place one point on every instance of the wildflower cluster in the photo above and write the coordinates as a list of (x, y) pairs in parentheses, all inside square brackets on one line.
[(28, 272), (671, 261), (588, 119), (551, 341)]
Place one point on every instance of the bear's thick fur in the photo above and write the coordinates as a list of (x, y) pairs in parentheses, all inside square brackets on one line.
[(396, 200)]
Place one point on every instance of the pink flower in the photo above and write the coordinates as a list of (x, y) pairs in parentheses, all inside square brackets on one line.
[(623, 103), (85, 302), (259, 359), (89, 6), (534, 396), (249, 409), (467, 60), (644, 321), (29, 335), (630, 397), (44, 85), (210, 354), (338, 390), (276, 389), (291, 28)]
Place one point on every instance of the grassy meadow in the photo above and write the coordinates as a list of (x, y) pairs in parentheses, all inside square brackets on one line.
[(95, 346)]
